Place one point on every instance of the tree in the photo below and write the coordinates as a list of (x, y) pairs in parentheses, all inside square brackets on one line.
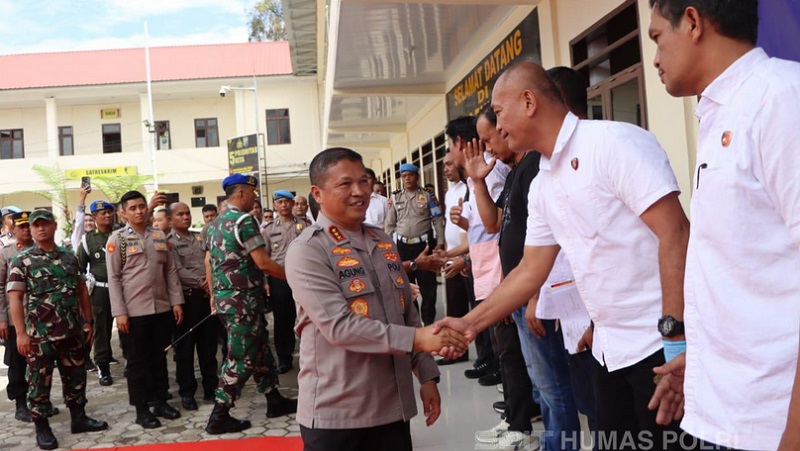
[(266, 21), (56, 179), (115, 187)]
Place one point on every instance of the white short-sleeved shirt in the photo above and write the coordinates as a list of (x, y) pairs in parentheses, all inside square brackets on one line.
[(743, 264), (453, 233), (376, 212), (588, 198)]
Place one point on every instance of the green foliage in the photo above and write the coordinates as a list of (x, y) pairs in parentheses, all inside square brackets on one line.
[(266, 21), (56, 179), (115, 187)]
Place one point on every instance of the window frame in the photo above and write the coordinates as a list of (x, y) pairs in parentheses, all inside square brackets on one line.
[(274, 115), (11, 139), (104, 133), (62, 138), (206, 127)]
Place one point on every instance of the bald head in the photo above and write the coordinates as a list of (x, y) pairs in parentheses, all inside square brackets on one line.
[(529, 76), (181, 217)]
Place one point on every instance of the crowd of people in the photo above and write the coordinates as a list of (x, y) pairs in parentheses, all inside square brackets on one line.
[(688, 332)]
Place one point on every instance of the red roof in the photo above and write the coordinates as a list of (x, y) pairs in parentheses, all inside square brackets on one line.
[(101, 67)]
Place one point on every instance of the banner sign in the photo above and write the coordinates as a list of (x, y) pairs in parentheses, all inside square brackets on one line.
[(243, 155)]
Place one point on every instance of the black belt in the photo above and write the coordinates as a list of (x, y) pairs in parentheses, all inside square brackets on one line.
[(195, 292)]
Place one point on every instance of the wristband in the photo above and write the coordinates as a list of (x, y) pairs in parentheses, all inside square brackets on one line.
[(673, 349)]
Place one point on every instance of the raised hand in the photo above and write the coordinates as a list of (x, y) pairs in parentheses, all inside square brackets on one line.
[(476, 166), (455, 211), (430, 262)]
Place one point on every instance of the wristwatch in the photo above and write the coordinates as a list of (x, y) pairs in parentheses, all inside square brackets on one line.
[(413, 265), (670, 327)]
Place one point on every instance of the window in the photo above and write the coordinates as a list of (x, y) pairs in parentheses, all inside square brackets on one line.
[(112, 138), (11, 144), (206, 133), (162, 135), (66, 145), (278, 130)]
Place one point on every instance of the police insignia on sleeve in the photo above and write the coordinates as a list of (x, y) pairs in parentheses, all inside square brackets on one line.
[(111, 247), (347, 262), (357, 286), (391, 256), (360, 307), (338, 250)]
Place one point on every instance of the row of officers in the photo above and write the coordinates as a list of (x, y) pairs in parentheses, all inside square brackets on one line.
[(158, 286)]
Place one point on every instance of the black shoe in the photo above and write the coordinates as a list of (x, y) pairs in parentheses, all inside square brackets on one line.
[(188, 403), (147, 420), (221, 422), (53, 412), (90, 366), (491, 379), (284, 367), (113, 361), (499, 406), (443, 362), (209, 396), (278, 406), (105, 375), (478, 372), (166, 411), (44, 436), (22, 413), (82, 423)]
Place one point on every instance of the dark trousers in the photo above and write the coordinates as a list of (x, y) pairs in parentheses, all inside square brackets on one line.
[(622, 398), (285, 314), (583, 390), (101, 312), (17, 385), (457, 297), (425, 279), (147, 361), (387, 437), (517, 387), (202, 339)]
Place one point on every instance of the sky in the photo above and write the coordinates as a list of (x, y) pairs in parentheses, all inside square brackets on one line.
[(36, 26)]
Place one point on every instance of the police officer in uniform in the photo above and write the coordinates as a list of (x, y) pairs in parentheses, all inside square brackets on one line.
[(360, 338), (92, 253), (189, 253), (146, 300), (52, 326), (235, 264), (7, 225), (277, 236), (415, 215)]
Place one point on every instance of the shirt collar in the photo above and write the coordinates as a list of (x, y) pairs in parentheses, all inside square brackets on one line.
[(564, 134), (726, 85)]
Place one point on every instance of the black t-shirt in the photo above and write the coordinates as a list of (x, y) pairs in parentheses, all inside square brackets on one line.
[(514, 202)]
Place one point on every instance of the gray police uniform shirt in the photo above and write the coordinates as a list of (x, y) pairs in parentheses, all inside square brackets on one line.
[(413, 213), (189, 255)]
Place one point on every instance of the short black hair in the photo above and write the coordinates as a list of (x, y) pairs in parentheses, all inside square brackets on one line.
[(257, 202), (131, 195), (231, 189), (735, 19), (209, 207), (462, 127), (313, 206), (572, 86), (166, 210), (268, 210), (488, 113), (317, 170), (371, 173)]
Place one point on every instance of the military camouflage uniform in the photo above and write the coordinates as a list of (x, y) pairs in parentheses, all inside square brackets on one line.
[(54, 322), (17, 386), (238, 287)]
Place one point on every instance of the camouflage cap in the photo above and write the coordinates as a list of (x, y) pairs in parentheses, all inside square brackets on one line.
[(42, 214), (20, 218)]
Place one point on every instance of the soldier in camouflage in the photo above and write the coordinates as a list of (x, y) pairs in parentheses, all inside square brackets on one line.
[(235, 264), (52, 326)]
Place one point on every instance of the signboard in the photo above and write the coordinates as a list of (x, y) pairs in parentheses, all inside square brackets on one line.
[(243, 155), (473, 92), (76, 174), (109, 113)]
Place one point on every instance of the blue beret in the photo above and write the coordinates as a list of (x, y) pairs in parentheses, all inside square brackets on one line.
[(408, 167), (100, 205), (282, 194), (9, 209), (239, 179)]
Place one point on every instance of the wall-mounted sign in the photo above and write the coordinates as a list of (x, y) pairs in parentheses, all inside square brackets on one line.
[(243, 155), (473, 92), (75, 174), (109, 113)]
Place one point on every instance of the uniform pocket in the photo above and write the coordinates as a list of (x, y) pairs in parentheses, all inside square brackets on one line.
[(584, 211)]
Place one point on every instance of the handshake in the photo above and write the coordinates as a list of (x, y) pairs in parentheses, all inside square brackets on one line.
[(449, 337)]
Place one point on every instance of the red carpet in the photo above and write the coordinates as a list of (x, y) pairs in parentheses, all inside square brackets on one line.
[(250, 444)]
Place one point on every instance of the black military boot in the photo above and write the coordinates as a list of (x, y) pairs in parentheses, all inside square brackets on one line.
[(44, 435), (22, 413), (82, 423), (145, 417), (105, 374), (221, 421), (278, 406)]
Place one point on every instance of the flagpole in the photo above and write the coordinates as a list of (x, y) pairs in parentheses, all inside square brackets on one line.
[(152, 124)]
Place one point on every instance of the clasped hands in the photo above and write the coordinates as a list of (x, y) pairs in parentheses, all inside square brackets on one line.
[(449, 337)]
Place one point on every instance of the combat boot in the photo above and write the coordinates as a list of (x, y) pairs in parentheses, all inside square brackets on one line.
[(22, 413), (278, 406), (221, 421), (44, 435), (82, 423), (105, 374)]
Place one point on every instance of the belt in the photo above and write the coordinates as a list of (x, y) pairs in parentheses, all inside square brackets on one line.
[(101, 284), (413, 240), (195, 292)]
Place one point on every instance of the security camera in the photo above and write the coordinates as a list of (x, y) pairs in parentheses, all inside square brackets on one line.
[(222, 91)]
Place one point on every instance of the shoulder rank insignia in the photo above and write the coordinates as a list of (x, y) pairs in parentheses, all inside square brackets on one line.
[(357, 286), (360, 307), (391, 256), (336, 234), (400, 280), (384, 246), (338, 250), (110, 248), (347, 262)]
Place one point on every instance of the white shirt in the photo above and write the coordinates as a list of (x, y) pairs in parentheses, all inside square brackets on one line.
[(743, 264), (376, 213), (593, 212), (453, 234)]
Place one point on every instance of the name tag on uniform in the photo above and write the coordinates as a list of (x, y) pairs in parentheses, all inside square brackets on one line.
[(134, 249), (160, 245)]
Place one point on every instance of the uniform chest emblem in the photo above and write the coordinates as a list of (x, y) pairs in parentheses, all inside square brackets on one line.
[(110, 248), (97, 255), (384, 246), (357, 286), (336, 234), (726, 139), (275, 245), (338, 250), (133, 250), (402, 301), (156, 234), (160, 246), (360, 307), (391, 256), (347, 262), (299, 227), (400, 280), (574, 163)]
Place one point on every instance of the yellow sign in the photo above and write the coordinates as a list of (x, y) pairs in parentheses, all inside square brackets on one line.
[(75, 174), (109, 113)]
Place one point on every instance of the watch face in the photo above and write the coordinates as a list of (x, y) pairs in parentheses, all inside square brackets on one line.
[(665, 327)]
